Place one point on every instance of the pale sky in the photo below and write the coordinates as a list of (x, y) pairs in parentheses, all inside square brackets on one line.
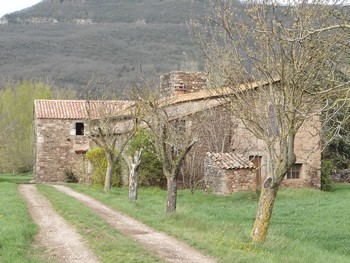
[(9, 6)]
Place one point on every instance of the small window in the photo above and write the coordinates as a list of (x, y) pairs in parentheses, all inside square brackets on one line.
[(294, 172), (79, 128)]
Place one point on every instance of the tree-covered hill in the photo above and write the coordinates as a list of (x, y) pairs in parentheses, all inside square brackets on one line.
[(70, 42)]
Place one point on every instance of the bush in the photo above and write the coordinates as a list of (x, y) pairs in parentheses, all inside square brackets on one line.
[(150, 171), (326, 181), (97, 157), (71, 177)]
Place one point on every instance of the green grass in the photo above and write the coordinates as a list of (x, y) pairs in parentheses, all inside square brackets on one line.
[(307, 225), (106, 243), (17, 230), (22, 178)]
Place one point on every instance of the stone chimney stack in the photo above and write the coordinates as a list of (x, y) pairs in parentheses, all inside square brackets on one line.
[(182, 82)]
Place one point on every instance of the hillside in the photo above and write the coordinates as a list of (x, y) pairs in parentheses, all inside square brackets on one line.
[(71, 41)]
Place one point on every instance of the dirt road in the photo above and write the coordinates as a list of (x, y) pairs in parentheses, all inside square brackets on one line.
[(63, 243), (166, 247)]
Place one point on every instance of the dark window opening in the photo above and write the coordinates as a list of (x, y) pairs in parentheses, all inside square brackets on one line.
[(79, 128), (294, 172)]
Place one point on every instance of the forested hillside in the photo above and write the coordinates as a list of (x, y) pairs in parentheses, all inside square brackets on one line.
[(70, 42)]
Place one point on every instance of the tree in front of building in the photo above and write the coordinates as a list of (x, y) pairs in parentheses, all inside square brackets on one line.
[(172, 140), (295, 50)]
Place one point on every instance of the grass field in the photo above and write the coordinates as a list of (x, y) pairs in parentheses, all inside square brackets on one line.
[(307, 225), (17, 230)]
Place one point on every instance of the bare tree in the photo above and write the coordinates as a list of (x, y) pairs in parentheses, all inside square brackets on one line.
[(110, 123), (110, 126), (172, 140), (296, 51)]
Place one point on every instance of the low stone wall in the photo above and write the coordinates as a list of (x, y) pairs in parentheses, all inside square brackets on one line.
[(342, 176)]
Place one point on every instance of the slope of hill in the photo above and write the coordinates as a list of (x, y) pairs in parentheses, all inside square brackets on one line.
[(71, 41)]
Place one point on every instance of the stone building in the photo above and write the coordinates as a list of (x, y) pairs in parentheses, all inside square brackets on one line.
[(60, 139), (60, 144), (227, 173), (194, 106)]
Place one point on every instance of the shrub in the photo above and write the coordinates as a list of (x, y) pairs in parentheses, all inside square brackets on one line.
[(150, 171), (71, 177), (326, 181), (97, 157)]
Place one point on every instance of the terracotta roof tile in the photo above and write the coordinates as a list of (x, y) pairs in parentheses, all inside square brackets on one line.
[(230, 160), (78, 109)]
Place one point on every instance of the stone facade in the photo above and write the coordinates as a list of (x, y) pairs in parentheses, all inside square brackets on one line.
[(58, 149), (60, 143), (181, 82), (307, 151), (226, 181)]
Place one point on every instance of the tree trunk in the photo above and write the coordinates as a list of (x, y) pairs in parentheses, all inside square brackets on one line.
[(133, 181), (172, 193), (263, 216), (109, 174), (133, 164)]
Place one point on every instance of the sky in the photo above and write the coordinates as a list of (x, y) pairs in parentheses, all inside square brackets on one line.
[(9, 6)]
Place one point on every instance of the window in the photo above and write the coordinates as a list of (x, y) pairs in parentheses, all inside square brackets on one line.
[(79, 128), (294, 172)]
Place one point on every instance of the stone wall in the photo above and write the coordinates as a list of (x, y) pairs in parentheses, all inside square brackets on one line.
[(342, 176), (182, 82), (57, 148), (240, 180), (214, 178), (221, 181)]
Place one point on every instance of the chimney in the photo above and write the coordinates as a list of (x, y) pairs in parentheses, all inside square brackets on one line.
[(182, 82)]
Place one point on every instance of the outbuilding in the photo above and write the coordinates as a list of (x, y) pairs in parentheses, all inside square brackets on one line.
[(227, 173)]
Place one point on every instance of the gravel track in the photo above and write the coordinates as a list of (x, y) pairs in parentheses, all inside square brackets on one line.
[(166, 247), (63, 243)]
